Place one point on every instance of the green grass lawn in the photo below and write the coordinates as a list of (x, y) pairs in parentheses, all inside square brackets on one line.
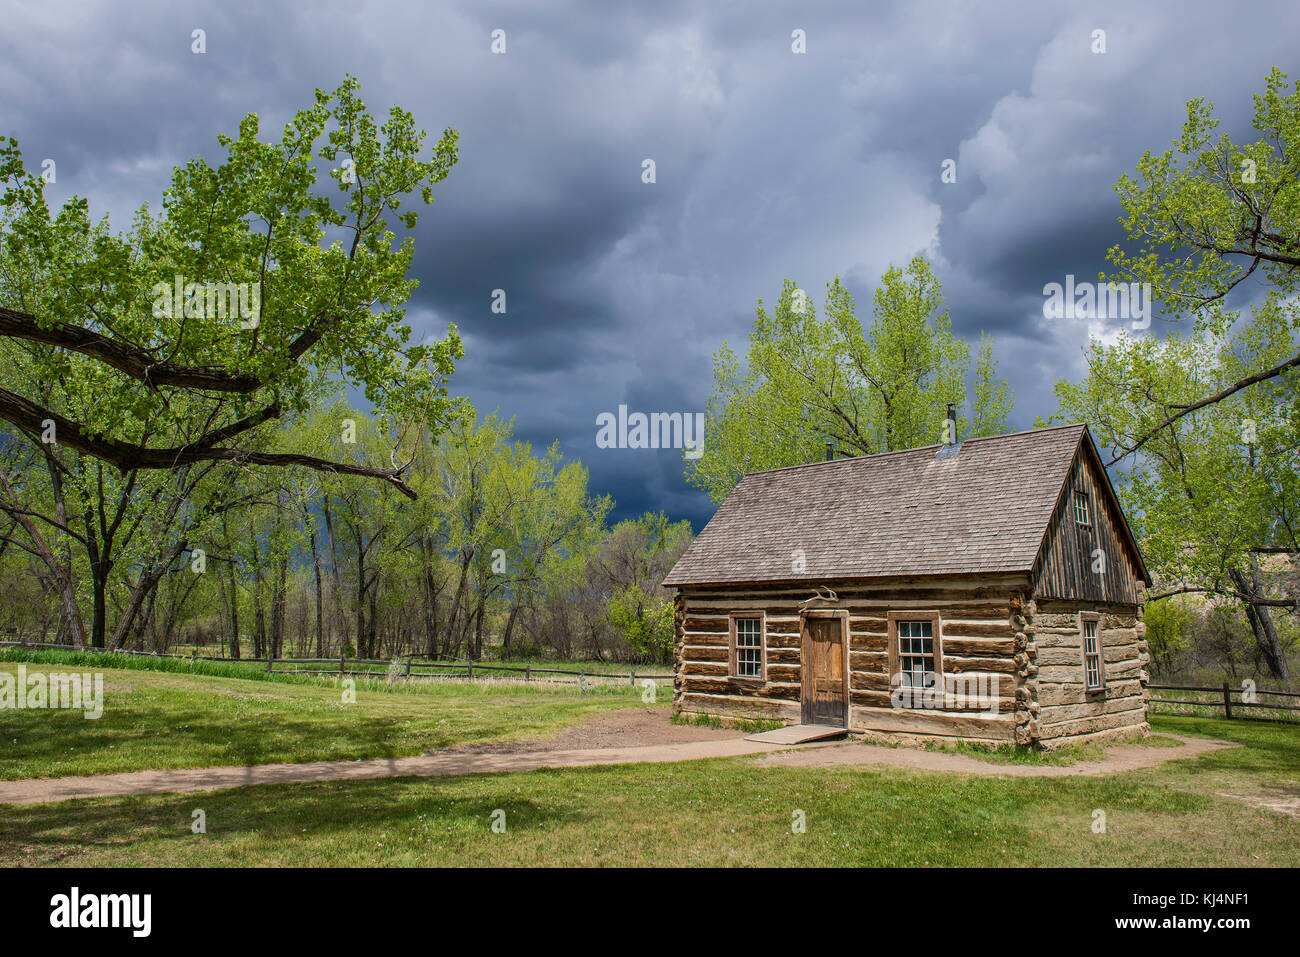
[(719, 812), (176, 719)]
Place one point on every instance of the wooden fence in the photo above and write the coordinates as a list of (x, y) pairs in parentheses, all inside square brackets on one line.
[(412, 666), (1223, 699)]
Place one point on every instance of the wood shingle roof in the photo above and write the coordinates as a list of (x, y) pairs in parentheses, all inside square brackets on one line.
[(983, 510)]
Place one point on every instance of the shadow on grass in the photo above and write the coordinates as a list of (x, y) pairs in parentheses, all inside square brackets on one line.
[(322, 814)]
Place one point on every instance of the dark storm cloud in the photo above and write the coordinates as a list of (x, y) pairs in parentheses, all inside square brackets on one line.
[(768, 164)]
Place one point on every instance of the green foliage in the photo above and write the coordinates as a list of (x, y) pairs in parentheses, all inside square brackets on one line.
[(809, 380), (332, 281), (1168, 624), (1207, 418), (645, 622)]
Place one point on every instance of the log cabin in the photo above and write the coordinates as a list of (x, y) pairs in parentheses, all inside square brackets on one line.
[(987, 591)]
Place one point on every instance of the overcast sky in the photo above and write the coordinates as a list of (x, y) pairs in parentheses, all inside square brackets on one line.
[(768, 163)]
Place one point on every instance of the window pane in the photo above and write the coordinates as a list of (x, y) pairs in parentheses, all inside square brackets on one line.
[(749, 647)]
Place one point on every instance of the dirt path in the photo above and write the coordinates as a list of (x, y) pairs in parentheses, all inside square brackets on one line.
[(1118, 757), (183, 780), (632, 736), (627, 727)]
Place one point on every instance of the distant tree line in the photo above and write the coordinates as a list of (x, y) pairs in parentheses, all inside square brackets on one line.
[(504, 552)]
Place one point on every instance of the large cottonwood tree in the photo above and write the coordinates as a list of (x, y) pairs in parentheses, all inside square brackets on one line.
[(810, 379), (115, 366), (1205, 420)]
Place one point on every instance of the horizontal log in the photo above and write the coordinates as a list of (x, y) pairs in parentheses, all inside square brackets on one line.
[(786, 674), (973, 629), (996, 727), (783, 656), (869, 662), (705, 653), (868, 624), (711, 623), (1073, 674), (1001, 666), (710, 669), (732, 707), (707, 638), (1059, 694), (863, 681), (979, 647), (1003, 704), (738, 687), (1056, 714), (868, 643), (1122, 719)]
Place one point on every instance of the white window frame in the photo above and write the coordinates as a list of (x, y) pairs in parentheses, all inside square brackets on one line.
[(1093, 620), (1082, 511), (734, 657)]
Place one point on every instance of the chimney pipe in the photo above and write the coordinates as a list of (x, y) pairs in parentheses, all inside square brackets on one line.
[(952, 424), (830, 451)]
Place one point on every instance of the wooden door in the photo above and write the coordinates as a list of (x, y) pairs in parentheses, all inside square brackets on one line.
[(825, 695)]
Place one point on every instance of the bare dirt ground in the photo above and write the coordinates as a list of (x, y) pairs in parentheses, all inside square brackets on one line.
[(627, 728), (632, 736), (1281, 799)]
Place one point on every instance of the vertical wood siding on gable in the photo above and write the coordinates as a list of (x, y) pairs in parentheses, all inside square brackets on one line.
[(1064, 567)]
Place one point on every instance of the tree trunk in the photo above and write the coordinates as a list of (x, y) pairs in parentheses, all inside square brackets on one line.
[(360, 606), (510, 627), (478, 633), (315, 564), (61, 573), (466, 555), (1261, 625), (340, 620)]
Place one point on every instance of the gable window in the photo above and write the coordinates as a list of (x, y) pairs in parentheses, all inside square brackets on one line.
[(747, 646), (1081, 507), (914, 649), (1094, 668)]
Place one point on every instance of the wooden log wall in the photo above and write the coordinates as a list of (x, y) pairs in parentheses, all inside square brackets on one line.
[(977, 638), (1066, 710)]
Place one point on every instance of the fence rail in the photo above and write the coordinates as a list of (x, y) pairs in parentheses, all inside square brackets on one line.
[(408, 664), (1224, 698)]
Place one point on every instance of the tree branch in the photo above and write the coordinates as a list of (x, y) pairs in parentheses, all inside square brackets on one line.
[(138, 363), (125, 456), (1277, 370)]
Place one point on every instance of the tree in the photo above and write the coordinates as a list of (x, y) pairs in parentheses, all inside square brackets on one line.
[(1207, 215), (634, 559), (809, 381), (1205, 420), (174, 341)]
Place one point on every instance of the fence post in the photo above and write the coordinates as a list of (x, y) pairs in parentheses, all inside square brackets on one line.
[(269, 660), (528, 672), (471, 668), (631, 678), (408, 665), (1227, 700), (343, 660)]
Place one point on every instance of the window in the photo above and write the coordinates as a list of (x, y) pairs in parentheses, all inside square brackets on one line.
[(1094, 669), (1081, 507), (747, 646), (915, 652), (914, 648)]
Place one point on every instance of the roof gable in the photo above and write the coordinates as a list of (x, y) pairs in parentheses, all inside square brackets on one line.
[(985, 510)]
